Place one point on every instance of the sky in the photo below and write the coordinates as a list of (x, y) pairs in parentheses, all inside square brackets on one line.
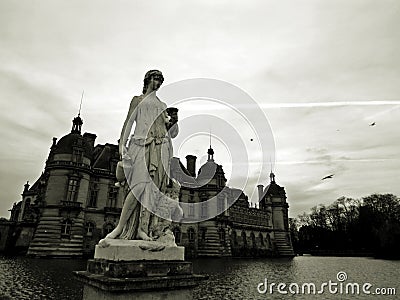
[(321, 72)]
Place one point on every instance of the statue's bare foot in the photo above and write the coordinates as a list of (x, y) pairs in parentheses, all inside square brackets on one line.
[(103, 243), (143, 236), (114, 234)]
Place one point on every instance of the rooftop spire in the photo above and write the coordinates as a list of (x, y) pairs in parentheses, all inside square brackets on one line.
[(77, 121), (271, 174), (210, 138), (210, 151), (272, 177), (80, 105)]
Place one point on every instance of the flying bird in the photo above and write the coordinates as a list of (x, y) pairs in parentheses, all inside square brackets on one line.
[(372, 124), (328, 177)]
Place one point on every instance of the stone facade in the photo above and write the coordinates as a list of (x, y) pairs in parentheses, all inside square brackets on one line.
[(74, 203)]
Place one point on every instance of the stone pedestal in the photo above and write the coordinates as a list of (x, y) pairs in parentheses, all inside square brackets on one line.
[(138, 270), (134, 250)]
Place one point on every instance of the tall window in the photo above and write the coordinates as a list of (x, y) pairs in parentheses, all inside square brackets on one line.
[(191, 210), (221, 233), (66, 226), (204, 213), (234, 237), (220, 203), (221, 181), (112, 196), (177, 234), (77, 155), (72, 189), (94, 194), (202, 234), (253, 240), (261, 239), (268, 241), (244, 238), (191, 235)]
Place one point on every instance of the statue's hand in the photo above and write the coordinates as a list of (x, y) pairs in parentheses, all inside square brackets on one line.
[(174, 118), (123, 152), (125, 157), (171, 123)]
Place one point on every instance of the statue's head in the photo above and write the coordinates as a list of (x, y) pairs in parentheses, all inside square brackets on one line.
[(149, 75)]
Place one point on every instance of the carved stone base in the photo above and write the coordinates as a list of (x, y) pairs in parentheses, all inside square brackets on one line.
[(131, 269), (136, 250), (138, 270)]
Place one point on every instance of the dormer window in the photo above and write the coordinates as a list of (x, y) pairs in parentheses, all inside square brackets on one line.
[(77, 155)]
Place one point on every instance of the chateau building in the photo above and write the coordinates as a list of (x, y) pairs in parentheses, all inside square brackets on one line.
[(74, 203)]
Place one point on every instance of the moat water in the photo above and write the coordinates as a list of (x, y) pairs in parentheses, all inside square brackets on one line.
[(28, 278)]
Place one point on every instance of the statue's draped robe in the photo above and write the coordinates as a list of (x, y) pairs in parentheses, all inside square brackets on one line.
[(150, 150)]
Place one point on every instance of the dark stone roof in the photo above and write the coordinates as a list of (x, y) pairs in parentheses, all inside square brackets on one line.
[(180, 173), (274, 190), (66, 143), (239, 197), (104, 157), (210, 170)]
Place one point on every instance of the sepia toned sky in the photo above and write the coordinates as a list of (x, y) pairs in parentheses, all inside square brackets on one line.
[(321, 71)]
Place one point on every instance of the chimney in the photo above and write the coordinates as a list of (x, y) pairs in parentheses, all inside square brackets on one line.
[(260, 191), (191, 164), (89, 138)]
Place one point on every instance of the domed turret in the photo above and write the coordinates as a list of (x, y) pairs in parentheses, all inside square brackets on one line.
[(73, 140), (211, 173)]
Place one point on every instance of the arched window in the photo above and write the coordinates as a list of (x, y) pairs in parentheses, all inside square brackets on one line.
[(268, 241), (253, 240), (90, 228), (191, 235), (177, 234), (66, 226), (234, 237), (260, 236), (202, 234), (94, 193), (244, 238)]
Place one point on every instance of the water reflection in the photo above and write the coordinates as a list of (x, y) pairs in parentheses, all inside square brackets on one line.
[(238, 278), (27, 278), (230, 278)]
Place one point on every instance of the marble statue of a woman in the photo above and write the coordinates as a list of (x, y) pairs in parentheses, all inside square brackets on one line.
[(146, 165)]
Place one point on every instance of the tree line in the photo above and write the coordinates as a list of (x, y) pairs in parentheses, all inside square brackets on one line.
[(366, 226)]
